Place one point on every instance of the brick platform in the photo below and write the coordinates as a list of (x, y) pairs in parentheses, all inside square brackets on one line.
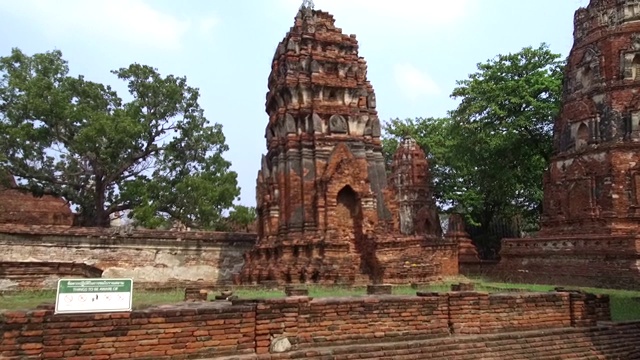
[(605, 342), (17, 207), (222, 328)]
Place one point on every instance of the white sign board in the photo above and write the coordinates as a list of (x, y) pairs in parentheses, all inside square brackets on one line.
[(93, 295)]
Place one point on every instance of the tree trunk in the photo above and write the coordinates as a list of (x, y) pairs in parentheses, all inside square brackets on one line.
[(100, 215)]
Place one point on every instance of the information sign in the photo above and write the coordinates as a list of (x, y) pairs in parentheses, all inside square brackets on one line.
[(93, 295)]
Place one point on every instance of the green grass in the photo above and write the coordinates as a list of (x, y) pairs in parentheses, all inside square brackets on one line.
[(26, 299), (145, 298), (31, 299), (625, 304)]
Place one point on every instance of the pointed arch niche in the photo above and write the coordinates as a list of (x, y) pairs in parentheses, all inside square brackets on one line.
[(582, 136), (349, 216)]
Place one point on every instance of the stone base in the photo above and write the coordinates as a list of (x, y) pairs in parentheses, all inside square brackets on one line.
[(467, 252), (396, 260), (606, 261), (379, 289), (463, 287), (296, 291), (195, 294), (270, 284)]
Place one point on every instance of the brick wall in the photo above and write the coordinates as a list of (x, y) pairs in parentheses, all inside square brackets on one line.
[(31, 275), (194, 330), (420, 264), (596, 261), (154, 258), (340, 321), (155, 333)]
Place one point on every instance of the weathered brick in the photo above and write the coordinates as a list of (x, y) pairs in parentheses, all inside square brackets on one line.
[(591, 205), (324, 202)]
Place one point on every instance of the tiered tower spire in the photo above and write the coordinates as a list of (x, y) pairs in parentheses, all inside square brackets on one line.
[(323, 204)]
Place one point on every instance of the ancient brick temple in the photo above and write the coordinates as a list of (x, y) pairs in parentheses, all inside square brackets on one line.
[(23, 208), (591, 217), (326, 211)]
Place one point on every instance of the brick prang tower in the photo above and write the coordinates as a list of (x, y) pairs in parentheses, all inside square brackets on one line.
[(323, 204), (591, 207)]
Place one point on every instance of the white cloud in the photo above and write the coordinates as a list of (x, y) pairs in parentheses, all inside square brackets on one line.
[(414, 82), (133, 22), (207, 24), (421, 14)]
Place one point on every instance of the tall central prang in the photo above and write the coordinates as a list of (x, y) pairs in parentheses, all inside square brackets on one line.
[(323, 202), (590, 233), (321, 110)]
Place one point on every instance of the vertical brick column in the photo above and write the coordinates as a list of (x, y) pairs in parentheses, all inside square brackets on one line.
[(465, 312), (17, 342), (588, 309), (278, 318)]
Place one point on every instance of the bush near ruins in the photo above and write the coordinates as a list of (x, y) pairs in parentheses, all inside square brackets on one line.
[(241, 218), (488, 156), (156, 155)]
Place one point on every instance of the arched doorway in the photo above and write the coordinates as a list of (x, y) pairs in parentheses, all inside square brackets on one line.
[(349, 216), (349, 225)]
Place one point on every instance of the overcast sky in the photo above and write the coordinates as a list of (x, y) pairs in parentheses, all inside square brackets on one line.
[(415, 49)]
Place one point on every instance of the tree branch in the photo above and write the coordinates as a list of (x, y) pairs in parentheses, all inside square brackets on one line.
[(44, 178), (117, 208), (150, 148)]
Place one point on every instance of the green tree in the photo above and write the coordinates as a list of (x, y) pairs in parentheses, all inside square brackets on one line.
[(506, 117), (489, 156), (241, 217), (156, 155)]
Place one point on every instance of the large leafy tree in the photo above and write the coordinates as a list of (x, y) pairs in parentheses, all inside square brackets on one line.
[(489, 155), (156, 156), (506, 117)]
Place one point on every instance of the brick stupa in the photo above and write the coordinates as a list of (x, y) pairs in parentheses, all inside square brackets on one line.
[(325, 211), (591, 217), (17, 207)]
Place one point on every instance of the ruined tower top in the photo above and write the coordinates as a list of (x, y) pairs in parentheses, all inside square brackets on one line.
[(307, 4), (603, 15), (409, 165), (318, 83), (593, 181), (604, 63)]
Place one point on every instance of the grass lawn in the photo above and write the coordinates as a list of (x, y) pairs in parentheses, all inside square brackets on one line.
[(625, 305)]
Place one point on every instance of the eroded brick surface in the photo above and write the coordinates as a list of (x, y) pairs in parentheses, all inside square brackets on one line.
[(326, 211), (467, 251), (152, 258), (22, 208), (591, 210), (397, 324), (36, 275)]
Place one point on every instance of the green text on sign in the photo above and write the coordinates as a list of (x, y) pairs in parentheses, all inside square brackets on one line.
[(93, 295), (108, 285)]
